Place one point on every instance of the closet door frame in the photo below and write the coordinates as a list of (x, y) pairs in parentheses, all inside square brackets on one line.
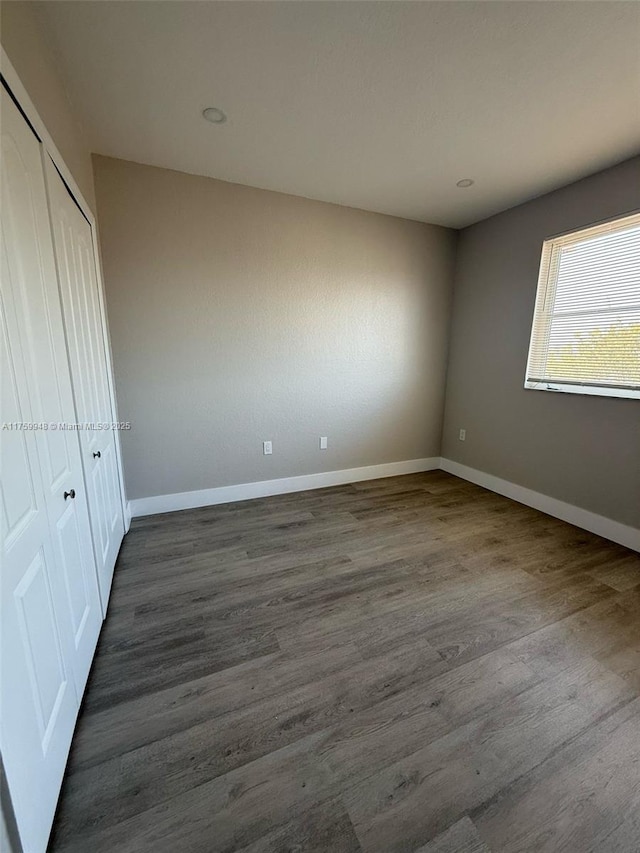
[(31, 114)]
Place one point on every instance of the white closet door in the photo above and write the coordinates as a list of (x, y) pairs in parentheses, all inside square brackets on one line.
[(49, 604), (88, 358)]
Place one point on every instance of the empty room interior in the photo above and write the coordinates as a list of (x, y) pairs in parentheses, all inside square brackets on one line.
[(320, 426)]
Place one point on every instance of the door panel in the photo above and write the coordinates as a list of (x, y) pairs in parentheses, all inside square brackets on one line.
[(21, 222), (80, 598), (87, 354), (112, 487), (50, 610), (99, 514), (21, 506), (38, 696), (40, 645)]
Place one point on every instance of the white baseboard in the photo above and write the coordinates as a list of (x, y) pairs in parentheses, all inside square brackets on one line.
[(127, 516), (264, 488), (599, 524)]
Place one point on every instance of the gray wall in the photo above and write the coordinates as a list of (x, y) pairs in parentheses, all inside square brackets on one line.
[(239, 315), (580, 449)]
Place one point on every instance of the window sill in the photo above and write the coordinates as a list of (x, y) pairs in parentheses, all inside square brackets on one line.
[(592, 390)]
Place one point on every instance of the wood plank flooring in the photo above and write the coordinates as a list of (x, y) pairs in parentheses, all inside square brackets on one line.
[(410, 664)]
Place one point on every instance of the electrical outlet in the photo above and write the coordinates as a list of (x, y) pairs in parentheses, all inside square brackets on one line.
[(267, 448), (324, 442), (462, 435)]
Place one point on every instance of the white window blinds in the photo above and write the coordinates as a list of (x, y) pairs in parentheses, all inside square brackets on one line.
[(586, 326)]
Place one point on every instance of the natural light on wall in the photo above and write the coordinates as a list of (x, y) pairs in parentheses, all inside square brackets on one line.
[(586, 327)]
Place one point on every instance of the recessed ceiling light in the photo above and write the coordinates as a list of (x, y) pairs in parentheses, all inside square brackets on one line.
[(214, 115), (465, 182)]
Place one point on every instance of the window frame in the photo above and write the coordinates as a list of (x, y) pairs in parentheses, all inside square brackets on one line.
[(546, 287)]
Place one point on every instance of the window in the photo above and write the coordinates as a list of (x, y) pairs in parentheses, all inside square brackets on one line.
[(586, 326)]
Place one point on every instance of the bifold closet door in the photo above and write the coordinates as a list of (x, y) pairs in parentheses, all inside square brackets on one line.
[(78, 281), (49, 603)]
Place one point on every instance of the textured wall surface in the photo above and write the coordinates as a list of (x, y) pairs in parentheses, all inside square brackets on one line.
[(240, 315), (580, 449), (21, 31)]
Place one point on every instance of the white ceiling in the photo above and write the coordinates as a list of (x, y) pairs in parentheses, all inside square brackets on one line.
[(376, 105)]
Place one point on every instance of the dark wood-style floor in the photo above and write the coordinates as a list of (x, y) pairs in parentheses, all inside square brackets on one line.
[(400, 665)]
